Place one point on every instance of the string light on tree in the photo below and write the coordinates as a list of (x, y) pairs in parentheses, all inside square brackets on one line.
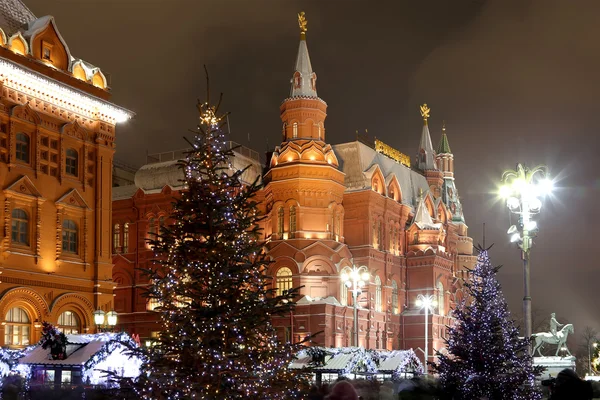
[(214, 296), (485, 356)]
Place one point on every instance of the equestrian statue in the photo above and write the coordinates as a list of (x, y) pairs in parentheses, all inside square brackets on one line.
[(555, 337)]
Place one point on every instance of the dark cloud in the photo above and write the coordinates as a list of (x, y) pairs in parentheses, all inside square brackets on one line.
[(516, 81)]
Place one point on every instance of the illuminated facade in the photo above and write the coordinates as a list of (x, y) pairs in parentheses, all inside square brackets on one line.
[(328, 208), (57, 132)]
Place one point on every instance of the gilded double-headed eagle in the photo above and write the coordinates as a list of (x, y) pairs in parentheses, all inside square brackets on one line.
[(302, 22), (425, 111)]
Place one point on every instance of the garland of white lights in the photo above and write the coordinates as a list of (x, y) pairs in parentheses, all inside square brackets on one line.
[(52, 91), (369, 360)]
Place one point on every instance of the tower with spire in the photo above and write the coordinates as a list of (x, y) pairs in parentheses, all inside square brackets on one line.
[(445, 163)]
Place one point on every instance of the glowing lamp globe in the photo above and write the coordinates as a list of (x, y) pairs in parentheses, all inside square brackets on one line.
[(111, 317), (513, 203), (505, 191), (366, 276), (419, 303), (546, 186), (99, 317), (345, 277)]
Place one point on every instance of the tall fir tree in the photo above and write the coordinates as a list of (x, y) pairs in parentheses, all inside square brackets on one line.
[(210, 280), (485, 356)]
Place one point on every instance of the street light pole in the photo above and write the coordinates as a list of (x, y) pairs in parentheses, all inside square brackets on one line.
[(521, 189), (427, 302), (355, 279)]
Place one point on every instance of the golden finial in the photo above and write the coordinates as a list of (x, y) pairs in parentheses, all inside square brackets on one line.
[(302, 23), (425, 112), (443, 125), (421, 189)]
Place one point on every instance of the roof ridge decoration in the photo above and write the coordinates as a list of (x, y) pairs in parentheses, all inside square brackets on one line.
[(304, 79), (425, 157), (444, 146)]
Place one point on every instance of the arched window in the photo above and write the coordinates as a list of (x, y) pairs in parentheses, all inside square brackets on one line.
[(69, 236), (17, 329), (283, 129), (280, 222), (68, 323), (320, 132), (295, 130), (20, 227), (71, 163), (440, 299), (343, 293), (395, 306), (283, 280), (292, 222), (116, 238), (23, 147), (377, 293), (126, 237)]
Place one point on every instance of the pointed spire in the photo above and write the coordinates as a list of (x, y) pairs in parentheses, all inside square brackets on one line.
[(425, 157), (444, 146), (422, 217), (304, 80)]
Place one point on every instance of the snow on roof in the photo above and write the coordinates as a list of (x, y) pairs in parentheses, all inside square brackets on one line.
[(356, 159), (319, 300), (14, 15), (79, 355), (123, 192)]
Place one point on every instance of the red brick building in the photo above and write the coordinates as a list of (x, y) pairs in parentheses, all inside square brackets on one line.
[(329, 208)]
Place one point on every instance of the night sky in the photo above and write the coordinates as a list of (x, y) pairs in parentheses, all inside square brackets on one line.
[(515, 81)]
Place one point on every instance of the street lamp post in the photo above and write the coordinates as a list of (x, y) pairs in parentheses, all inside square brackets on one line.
[(355, 279), (428, 303), (105, 322), (522, 189)]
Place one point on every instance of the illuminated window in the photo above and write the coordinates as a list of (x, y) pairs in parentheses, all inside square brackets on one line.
[(319, 131), (46, 51), (65, 377), (69, 236), (126, 237), (292, 222), (20, 227), (23, 147), (377, 294), (68, 323), (116, 238), (17, 329), (395, 307), (71, 162), (441, 305), (283, 281), (280, 222), (295, 130), (343, 293)]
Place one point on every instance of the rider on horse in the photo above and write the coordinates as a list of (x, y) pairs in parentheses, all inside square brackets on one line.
[(554, 325)]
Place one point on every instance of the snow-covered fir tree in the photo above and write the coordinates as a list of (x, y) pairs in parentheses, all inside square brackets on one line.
[(216, 340), (485, 357)]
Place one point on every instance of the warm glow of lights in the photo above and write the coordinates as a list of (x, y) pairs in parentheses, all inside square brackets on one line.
[(46, 89)]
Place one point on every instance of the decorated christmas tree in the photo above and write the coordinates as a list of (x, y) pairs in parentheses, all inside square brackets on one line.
[(485, 356), (210, 280)]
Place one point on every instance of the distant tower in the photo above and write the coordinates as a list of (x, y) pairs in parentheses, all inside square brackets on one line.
[(445, 163)]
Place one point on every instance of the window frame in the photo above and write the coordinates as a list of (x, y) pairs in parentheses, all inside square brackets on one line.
[(23, 148), (72, 162), (68, 328), (283, 280), (18, 222), (11, 324), (70, 236)]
